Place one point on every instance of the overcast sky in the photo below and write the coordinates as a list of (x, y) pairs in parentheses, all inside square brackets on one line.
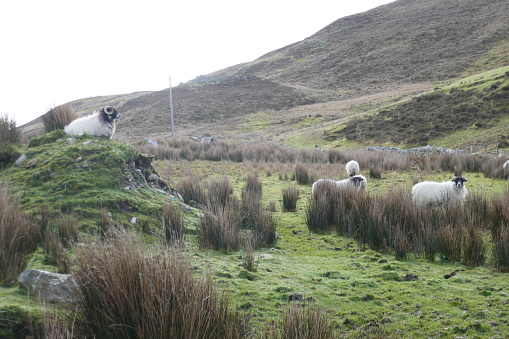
[(53, 52)]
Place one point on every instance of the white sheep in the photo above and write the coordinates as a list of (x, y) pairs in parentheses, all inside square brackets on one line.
[(435, 193), (352, 168), (101, 123), (506, 165), (356, 182)]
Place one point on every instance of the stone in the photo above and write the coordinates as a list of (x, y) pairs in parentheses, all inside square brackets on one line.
[(20, 160), (50, 287), (32, 163)]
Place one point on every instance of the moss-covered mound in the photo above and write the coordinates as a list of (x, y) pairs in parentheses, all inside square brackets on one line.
[(84, 175)]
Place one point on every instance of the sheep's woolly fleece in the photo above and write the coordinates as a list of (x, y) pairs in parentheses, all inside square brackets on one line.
[(435, 193), (101, 123)]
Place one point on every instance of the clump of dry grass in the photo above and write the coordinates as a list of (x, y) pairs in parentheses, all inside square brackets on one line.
[(18, 238), (58, 117), (173, 224), (290, 197), (129, 292)]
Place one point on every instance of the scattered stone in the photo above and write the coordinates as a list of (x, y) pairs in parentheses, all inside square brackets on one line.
[(71, 141), (50, 287), (20, 160), (133, 220), (266, 256), (151, 142), (153, 178), (32, 163)]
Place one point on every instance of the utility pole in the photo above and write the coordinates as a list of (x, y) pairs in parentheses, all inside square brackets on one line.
[(171, 110)]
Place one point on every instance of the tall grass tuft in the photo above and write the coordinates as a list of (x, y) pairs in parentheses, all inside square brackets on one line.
[(249, 256), (218, 194), (501, 248), (306, 322), (192, 189), (474, 249), (220, 231), (301, 174), (58, 117), (9, 133), (129, 292), (18, 238), (290, 197), (173, 224)]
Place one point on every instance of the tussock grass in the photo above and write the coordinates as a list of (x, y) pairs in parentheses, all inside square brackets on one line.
[(290, 197), (58, 117), (173, 224), (18, 237), (158, 296)]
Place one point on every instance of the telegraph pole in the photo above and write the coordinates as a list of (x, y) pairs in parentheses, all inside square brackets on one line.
[(171, 110)]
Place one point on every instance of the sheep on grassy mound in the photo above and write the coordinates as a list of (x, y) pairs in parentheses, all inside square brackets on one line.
[(101, 123), (435, 193)]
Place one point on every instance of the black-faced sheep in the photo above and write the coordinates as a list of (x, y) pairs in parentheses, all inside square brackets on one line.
[(101, 123), (436, 193), (356, 182)]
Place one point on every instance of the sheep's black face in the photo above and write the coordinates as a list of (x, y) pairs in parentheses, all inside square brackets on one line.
[(109, 113), (356, 180), (458, 181)]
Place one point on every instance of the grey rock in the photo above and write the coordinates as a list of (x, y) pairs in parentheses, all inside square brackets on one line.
[(49, 286), (20, 160)]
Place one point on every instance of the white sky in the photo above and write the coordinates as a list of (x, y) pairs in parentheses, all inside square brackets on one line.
[(56, 51)]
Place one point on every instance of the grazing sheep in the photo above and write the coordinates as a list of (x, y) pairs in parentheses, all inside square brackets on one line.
[(435, 193), (352, 168), (101, 123), (357, 182)]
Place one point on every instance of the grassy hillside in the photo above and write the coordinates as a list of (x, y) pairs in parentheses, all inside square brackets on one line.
[(473, 104)]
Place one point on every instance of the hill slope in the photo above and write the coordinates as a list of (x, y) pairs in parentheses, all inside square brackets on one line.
[(392, 49)]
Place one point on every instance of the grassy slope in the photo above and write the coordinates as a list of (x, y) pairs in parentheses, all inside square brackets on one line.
[(360, 288)]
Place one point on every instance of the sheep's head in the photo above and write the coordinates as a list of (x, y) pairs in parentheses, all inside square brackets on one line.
[(356, 180), (458, 182), (109, 113)]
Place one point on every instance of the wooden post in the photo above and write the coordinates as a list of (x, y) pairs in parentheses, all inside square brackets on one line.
[(171, 110)]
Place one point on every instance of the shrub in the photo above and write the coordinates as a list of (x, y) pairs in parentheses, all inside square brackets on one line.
[(18, 238), (58, 117), (173, 224), (290, 197), (130, 293), (9, 133)]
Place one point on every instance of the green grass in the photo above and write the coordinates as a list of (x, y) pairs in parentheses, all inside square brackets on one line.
[(363, 291)]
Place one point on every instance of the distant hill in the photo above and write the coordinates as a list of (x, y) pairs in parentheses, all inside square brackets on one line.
[(392, 50)]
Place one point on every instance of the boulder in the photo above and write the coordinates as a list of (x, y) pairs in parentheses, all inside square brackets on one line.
[(50, 287)]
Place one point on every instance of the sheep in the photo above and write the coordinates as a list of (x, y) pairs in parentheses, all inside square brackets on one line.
[(101, 123), (506, 165), (352, 168), (434, 193), (357, 182)]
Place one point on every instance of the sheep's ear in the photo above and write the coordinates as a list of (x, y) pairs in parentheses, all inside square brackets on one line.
[(464, 179)]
